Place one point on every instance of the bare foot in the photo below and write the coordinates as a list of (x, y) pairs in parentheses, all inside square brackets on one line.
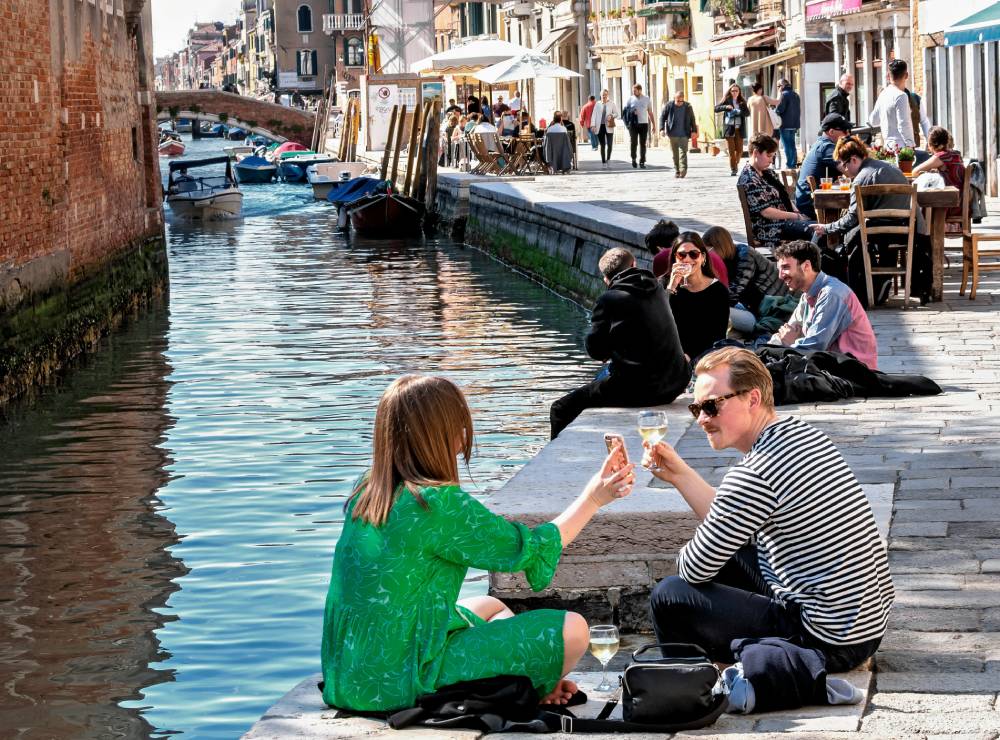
[(561, 693)]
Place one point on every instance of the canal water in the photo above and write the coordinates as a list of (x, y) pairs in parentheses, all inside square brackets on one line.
[(169, 511)]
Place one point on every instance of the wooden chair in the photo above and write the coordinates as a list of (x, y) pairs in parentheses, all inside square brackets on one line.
[(489, 161), (519, 153), (812, 183), (790, 179), (905, 230), (971, 251), (751, 240)]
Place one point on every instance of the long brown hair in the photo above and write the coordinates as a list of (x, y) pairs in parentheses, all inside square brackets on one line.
[(418, 423), (693, 238), (719, 239)]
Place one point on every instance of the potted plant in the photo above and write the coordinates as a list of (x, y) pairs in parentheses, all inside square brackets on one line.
[(905, 159)]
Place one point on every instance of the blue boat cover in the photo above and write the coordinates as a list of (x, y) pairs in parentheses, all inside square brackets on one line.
[(351, 190), (254, 162)]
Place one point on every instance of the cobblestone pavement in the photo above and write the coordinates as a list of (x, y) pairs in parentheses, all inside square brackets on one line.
[(938, 670)]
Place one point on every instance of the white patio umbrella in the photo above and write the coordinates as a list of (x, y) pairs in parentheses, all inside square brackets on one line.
[(470, 57), (530, 65)]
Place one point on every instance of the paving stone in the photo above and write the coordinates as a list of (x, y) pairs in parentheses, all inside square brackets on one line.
[(939, 683), (973, 529), (923, 504), (954, 514), (967, 598), (945, 703), (920, 529), (937, 620), (927, 582), (904, 724), (945, 561), (991, 566)]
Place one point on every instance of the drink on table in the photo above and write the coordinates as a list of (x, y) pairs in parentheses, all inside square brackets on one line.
[(826, 183), (604, 643)]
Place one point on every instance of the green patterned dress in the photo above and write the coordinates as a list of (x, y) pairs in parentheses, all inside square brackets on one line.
[(392, 630)]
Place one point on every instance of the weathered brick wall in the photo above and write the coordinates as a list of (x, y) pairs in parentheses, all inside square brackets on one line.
[(69, 109), (291, 123)]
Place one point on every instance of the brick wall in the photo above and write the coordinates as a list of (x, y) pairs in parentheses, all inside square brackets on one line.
[(291, 123), (70, 178)]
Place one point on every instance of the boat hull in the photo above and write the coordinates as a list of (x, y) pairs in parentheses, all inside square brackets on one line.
[(171, 148), (386, 215), (224, 204), (254, 175)]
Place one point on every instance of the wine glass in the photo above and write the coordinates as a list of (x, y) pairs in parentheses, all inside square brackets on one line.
[(604, 644), (652, 428), (685, 271)]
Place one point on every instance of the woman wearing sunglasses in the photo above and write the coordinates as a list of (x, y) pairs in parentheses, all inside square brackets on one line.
[(698, 300)]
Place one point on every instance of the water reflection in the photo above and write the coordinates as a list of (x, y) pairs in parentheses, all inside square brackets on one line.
[(84, 558)]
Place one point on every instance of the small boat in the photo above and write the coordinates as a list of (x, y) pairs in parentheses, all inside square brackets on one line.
[(190, 197), (292, 165), (236, 134), (236, 153), (344, 194), (325, 175), (386, 214), (210, 131), (183, 126), (170, 144), (286, 146), (255, 169)]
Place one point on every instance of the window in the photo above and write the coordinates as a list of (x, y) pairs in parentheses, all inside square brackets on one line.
[(305, 19), (305, 62), (135, 143), (354, 52), (697, 85)]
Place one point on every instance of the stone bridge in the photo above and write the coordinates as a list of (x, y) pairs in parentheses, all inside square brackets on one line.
[(274, 121)]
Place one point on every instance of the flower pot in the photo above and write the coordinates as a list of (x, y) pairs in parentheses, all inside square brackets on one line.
[(906, 165), (714, 149)]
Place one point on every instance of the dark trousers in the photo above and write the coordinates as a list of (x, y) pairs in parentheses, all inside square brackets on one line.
[(606, 139), (609, 390), (737, 604), (792, 230), (637, 134)]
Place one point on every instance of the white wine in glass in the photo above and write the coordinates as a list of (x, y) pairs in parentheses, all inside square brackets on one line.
[(652, 427), (604, 645)]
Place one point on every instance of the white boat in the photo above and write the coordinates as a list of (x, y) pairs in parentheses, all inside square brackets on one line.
[(203, 198), (236, 153), (325, 175)]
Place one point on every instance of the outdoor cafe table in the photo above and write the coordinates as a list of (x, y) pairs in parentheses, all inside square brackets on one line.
[(829, 204)]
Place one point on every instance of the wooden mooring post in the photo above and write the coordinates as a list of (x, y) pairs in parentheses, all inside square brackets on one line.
[(388, 143), (399, 144)]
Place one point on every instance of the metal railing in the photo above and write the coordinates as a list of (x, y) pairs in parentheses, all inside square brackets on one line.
[(343, 22)]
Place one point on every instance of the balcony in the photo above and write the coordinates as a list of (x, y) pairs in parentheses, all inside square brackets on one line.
[(343, 22)]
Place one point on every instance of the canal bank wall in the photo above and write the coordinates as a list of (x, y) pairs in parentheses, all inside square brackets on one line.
[(82, 241)]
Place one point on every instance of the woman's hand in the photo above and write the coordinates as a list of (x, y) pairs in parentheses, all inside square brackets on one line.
[(611, 481), (663, 461)]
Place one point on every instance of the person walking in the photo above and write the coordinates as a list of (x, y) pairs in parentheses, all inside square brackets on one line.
[(760, 111), (734, 118), (892, 112), (840, 101), (677, 122), (790, 110), (602, 123), (638, 127), (585, 113)]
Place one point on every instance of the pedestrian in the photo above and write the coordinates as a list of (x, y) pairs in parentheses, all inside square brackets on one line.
[(790, 110), (840, 101), (760, 111), (452, 108), (891, 113), (602, 123), (734, 119), (499, 108), (585, 113), (472, 106), (641, 108), (515, 103), (677, 122)]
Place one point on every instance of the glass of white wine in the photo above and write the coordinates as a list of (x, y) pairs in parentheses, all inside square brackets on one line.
[(604, 644), (652, 428)]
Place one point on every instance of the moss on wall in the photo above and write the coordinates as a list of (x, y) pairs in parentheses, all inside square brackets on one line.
[(46, 332)]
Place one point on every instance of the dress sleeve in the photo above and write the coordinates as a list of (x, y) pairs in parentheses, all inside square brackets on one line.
[(742, 504), (463, 531)]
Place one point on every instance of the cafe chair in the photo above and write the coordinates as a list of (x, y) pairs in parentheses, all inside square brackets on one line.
[(790, 179), (972, 252), (490, 162), (899, 222), (746, 218)]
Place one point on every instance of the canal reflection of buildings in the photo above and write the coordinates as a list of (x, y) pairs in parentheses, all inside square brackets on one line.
[(84, 560)]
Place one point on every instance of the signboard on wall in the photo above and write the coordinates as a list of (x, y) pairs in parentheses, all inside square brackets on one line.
[(381, 98), (830, 8), (431, 91)]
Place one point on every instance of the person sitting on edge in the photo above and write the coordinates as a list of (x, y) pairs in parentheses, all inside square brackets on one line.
[(394, 628), (754, 276), (819, 162), (659, 242), (787, 547), (699, 301), (829, 315), (945, 160), (631, 326)]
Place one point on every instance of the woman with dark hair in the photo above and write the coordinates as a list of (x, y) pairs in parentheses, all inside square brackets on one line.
[(487, 110), (394, 628), (699, 301), (734, 118), (472, 106), (773, 217)]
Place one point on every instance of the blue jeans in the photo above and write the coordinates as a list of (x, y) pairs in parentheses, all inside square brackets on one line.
[(788, 142), (593, 138)]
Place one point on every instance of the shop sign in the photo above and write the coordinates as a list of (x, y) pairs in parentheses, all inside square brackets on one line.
[(830, 8)]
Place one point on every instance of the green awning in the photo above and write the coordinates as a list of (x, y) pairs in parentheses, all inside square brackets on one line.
[(976, 29)]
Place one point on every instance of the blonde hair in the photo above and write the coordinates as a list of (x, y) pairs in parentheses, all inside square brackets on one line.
[(419, 421), (746, 371)]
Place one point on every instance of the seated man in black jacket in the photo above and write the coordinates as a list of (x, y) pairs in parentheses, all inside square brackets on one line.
[(631, 326)]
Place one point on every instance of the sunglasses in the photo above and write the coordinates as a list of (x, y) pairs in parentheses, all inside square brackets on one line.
[(710, 405), (693, 254)]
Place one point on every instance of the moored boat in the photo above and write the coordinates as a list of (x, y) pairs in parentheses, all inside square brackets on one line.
[(170, 144), (216, 197), (292, 165), (255, 169), (386, 214), (238, 152), (325, 175), (236, 134)]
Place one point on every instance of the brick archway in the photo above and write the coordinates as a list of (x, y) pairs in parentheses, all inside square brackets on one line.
[(268, 119)]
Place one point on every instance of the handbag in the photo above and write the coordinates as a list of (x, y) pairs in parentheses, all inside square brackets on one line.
[(775, 118), (611, 122)]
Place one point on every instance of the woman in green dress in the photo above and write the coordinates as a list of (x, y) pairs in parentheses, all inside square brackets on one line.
[(394, 628)]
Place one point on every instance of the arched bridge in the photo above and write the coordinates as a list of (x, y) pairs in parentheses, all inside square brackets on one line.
[(274, 121)]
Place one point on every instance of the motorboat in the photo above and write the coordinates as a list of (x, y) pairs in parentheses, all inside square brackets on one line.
[(254, 169), (209, 130), (325, 175), (343, 194), (170, 144), (236, 134), (286, 146), (292, 165), (183, 126), (207, 198), (386, 214), (236, 153)]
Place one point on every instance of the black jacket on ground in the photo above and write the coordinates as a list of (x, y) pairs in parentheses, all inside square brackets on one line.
[(633, 327)]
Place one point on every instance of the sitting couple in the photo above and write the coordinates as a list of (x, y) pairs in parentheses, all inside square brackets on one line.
[(394, 628)]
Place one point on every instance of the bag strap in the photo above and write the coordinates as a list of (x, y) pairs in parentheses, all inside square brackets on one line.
[(684, 649), (569, 723)]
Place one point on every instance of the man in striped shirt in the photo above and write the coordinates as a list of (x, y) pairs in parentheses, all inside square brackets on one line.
[(788, 545)]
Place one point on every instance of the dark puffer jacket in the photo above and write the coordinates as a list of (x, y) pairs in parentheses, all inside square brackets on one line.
[(755, 276), (632, 326)]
